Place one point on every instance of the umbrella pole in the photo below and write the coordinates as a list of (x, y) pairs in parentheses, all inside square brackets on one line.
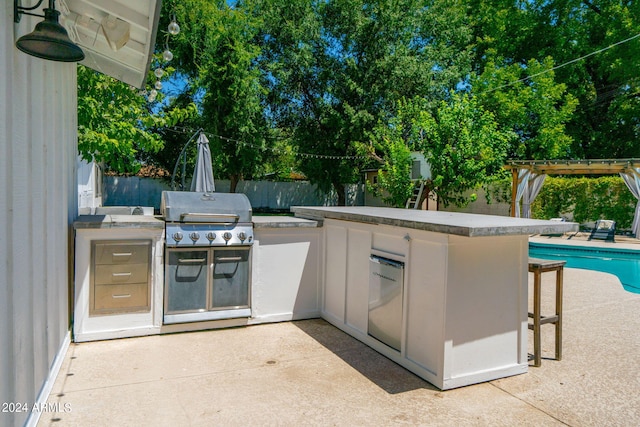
[(183, 156)]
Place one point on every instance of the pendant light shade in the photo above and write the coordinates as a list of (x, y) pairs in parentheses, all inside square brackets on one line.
[(49, 40)]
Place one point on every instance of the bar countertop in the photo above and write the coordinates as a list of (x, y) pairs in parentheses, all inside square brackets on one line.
[(461, 224), (274, 221)]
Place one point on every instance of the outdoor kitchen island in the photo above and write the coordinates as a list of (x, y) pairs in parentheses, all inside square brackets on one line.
[(442, 294), (120, 261)]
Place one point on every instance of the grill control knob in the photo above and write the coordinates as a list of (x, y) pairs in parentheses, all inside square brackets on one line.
[(211, 236), (227, 236), (242, 236), (194, 236), (177, 236)]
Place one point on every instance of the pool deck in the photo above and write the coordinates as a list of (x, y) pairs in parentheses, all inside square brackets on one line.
[(581, 238), (310, 373)]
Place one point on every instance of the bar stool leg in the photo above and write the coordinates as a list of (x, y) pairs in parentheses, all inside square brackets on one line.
[(559, 314), (537, 351)]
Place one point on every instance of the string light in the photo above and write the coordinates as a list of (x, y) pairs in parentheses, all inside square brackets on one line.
[(187, 131), (173, 29), (167, 55)]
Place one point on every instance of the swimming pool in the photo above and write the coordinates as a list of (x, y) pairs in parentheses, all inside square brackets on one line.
[(624, 263)]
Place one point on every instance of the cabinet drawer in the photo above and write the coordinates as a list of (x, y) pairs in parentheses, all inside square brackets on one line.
[(122, 253), (133, 297), (121, 274)]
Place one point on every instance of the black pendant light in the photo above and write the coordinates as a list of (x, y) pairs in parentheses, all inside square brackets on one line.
[(49, 39)]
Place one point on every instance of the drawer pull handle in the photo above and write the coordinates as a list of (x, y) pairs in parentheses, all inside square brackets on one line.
[(191, 261), (229, 258), (123, 254), (121, 274), (121, 296)]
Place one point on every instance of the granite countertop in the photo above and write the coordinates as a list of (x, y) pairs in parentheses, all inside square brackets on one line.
[(284, 222), (148, 221), (461, 224), (118, 221)]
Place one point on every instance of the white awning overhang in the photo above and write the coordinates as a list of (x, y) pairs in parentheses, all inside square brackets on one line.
[(117, 36)]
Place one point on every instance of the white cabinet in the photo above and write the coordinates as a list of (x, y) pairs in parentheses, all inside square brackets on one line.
[(464, 308), (118, 277), (286, 274)]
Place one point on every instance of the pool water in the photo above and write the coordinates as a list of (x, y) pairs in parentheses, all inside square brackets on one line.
[(624, 263)]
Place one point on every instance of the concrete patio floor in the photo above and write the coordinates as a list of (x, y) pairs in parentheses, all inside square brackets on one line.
[(310, 373)]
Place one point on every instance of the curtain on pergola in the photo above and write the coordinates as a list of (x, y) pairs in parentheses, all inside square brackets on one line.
[(632, 180), (529, 185)]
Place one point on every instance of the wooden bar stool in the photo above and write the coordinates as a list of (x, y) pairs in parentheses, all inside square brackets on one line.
[(537, 267)]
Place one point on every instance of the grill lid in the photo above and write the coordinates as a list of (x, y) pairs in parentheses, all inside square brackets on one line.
[(190, 206)]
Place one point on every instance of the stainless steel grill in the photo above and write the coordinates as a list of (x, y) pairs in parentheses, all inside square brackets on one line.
[(206, 219), (207, 256)]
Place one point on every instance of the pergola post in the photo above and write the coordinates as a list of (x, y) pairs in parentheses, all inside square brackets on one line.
[(514, 190)]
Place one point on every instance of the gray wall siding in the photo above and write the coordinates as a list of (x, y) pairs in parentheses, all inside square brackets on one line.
[(37, 205)]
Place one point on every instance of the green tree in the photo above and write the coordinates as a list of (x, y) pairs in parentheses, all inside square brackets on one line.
[(462, 143), (215, 55), (526, 99), (394, 175), (115, 122), (580, 34), (464, 147), (335, 69)]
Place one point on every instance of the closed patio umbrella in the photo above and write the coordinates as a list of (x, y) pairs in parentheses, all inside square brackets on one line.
[(203, 172)]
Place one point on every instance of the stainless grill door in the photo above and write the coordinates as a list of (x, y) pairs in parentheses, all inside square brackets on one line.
[(187, 275), (386, 279), (207, 284), (230, 279)]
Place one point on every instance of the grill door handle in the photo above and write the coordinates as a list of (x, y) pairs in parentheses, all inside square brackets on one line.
[(191, 261), (123, 254), (121, 274)]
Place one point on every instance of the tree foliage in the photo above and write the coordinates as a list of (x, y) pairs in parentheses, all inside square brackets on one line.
[(326, 83), (586, 199), (115, 122), (580, 34), (394, 183), (462, 143), (394, 140), (215, 53), (464, 146), (334, 69), (526, 99)]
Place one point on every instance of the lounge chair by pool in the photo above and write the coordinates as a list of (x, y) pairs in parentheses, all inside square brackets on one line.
[(605, 229)]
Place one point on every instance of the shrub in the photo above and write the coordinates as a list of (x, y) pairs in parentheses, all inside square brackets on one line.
[(588, 199)]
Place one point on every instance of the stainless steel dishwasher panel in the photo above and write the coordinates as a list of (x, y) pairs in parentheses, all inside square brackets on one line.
[(386, 278)]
